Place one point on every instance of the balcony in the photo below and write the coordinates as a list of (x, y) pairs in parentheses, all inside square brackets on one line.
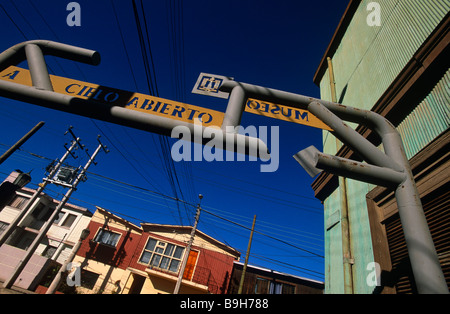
[(201, 279), (36, 224)]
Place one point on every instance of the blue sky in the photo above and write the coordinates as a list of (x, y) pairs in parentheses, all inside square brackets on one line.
[(276, 44)]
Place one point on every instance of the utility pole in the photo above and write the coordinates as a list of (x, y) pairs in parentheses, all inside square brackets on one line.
[(43, 231), (57, 280), (29, 207), (188, 248), (20, 142), (244, 269)]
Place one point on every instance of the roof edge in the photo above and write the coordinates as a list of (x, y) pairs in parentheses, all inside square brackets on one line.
[(336, 39), (279, 272), (116, 217), (226, 247)]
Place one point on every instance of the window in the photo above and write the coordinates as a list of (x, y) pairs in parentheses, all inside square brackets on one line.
[(60, 216), (281, 288), (162, 255), (38, 210), (88, 279), (19, 202), (262, 286), (266, 286), (69, 220), (49, 251), (107, 237), (3, 227), (288, 289)]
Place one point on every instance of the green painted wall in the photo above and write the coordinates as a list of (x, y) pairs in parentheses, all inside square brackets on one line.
[(334, 274), (429, 119), (366, 62)]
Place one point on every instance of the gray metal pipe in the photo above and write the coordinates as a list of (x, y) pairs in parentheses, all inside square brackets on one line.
[(120, 115), (366, 117), (235, 108), (16, 54), (38, 67), (352, 138), (423, 256), (380, 124), (359, 171), (307, 158), (313, 161), (424, 260)]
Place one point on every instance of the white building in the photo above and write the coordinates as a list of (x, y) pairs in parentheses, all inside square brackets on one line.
[(59, 240)]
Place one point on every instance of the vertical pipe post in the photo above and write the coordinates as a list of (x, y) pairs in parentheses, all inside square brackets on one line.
[(424, 259), (235, 108), (425, 264), (38, 67)]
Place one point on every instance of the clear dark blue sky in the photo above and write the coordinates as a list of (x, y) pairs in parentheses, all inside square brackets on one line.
[(276, 44)]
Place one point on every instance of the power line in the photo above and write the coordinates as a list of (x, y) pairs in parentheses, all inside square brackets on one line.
[(254, 183), (100, 129), (146, 52), (123, 43), (254, 255), (261, 233), (168, 197), (263, 241), (288, 265), (221, 218), (212, 214), (14, 23)]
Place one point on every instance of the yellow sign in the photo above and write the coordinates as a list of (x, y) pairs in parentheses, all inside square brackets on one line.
[(160, 106), (285, 113), (134, 101)]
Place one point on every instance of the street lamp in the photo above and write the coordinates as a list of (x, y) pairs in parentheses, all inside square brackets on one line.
[(22, 179), (84, 234)]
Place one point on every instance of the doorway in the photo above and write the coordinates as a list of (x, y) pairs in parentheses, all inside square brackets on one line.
[(138, 283)]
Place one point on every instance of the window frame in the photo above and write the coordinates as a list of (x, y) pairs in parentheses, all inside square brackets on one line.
[(3, 227), (66, 218), (89, 279), (160, 244), (19, 201), (100, 230), (264, 285), (60, 217), (261, 285)]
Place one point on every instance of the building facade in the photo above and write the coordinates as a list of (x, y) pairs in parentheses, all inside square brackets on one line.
[(56, 245), (123, 258), (259, 280), (391, 57)]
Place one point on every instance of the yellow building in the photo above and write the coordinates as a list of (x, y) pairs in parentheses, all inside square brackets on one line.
[(120, 257)]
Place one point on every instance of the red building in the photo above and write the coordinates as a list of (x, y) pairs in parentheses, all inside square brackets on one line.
[(120, 257)]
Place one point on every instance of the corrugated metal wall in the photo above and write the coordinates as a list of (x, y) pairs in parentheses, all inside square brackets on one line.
[(366, 62), (429, 119), (437, 211), (334, 273), (370, 58)]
